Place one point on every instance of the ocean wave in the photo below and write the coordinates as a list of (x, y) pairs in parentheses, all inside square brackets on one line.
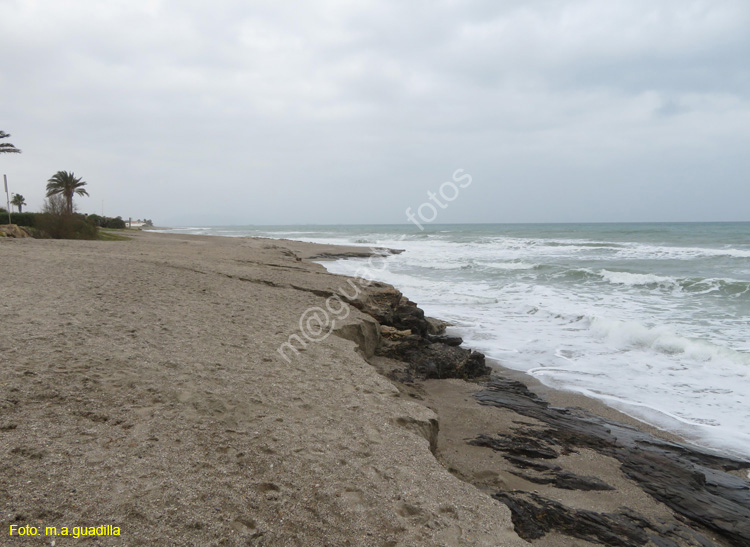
[(628, 335), (296, 232), (642, 251), (509, 265), (625, 249), (575, 243), (425, 263), (544, 246), (727, 287), (638, 279), (628, 250), (734, 288), (472, 299), (696, 286)]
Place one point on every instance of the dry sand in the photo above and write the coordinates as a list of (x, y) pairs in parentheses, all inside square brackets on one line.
[(140, 387)]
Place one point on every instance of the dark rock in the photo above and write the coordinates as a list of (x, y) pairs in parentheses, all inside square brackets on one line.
[(442, 361), (566, 480), (516, 445), (525, 463), (405, 336), (691, 481), (554, 475), (548, 473), (534, 516), (435, 360), (447, 340), (408, 316), (402, 348)]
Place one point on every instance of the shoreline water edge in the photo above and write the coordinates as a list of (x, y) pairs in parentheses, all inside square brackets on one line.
[(412, 351), (648, 318), (548, 467)]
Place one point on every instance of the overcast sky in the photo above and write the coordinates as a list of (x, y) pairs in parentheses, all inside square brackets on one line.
[(335, 111)]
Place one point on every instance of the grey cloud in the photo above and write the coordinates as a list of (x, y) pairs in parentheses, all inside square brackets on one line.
[(334, 111)]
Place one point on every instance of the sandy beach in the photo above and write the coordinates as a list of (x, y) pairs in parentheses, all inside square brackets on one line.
[(142, 387)]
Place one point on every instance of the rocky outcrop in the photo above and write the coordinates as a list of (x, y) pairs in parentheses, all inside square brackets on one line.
[(407, 335), (534, 516), (389, 307), (445, 339), (12, 230), (436, 326), (545, 473), (433, 360), (696, 484)]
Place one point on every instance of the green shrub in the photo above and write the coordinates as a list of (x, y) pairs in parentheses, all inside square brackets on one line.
[(107, 222), (116, 223), (21, 219), (94, 219), (65, 226)]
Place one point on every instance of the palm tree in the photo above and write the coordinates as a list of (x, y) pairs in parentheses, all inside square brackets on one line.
[(19, 201), (66, 184), (6, 146)]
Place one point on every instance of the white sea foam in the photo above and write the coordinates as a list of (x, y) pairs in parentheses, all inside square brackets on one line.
[(679, 253), (626, 335), (638, 280), (655, 372)]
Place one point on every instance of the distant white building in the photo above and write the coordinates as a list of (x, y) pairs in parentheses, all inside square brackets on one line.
[(139, 223)]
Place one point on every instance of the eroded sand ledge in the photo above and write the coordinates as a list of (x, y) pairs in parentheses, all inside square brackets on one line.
[(141, 387)]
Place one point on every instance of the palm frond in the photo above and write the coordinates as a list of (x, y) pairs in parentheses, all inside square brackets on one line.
[(6, 147)]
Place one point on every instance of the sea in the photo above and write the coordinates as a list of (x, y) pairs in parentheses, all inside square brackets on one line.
[(652, 319)]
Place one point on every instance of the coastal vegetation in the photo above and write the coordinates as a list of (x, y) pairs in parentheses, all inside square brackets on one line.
[(23, 219), (59, 219), (112, 235), (55, 224), (116, 223)]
